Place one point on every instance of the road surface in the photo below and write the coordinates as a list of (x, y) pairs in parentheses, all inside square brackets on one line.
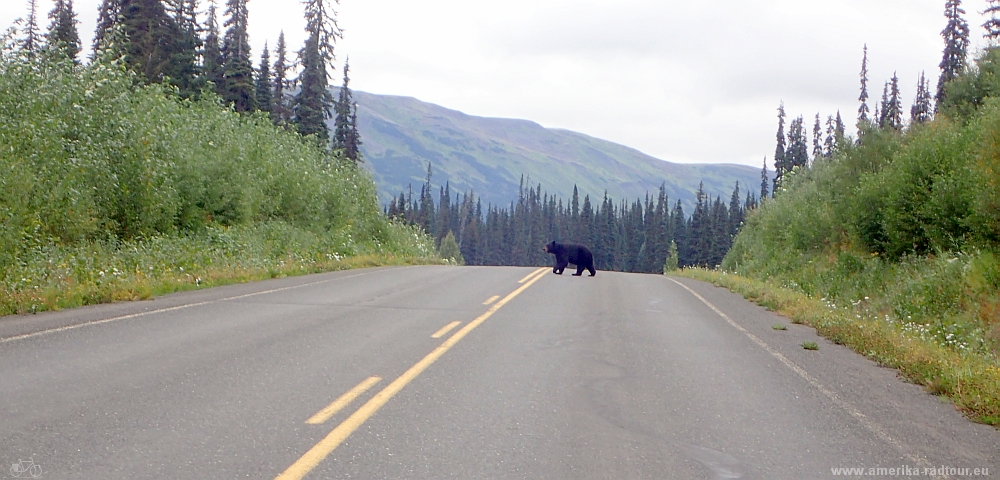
[(459, 372)]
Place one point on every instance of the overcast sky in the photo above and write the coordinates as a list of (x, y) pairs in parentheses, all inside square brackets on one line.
[(684, 81)]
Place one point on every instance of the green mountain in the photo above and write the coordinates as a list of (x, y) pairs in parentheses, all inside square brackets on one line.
[(489, 156)]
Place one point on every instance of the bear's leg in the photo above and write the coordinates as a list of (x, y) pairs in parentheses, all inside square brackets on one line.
[(559, 268), (579, 270), (592, 271)]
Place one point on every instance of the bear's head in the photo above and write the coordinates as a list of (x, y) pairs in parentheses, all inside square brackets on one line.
[(550, 248)]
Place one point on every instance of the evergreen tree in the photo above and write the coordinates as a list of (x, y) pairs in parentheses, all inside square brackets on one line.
[(882, 113), (237, 69), (797, 153), (425, 211), (62, 30), (212, 61), (153, 39), (281, 110), (263, 84), (313, 103), (956, 45), (763, 181), (32, 41), (830, 143), (817, 139), (735, 214), (719, 238), (840, 129), (345, 132), (680, 231), (586, 222), (442, 224), (353, 146), (863, 98), (992, 24), (780, 163), (107, 20), (574, 230), (699, 229), (182, 68), (922, 110), (894, 109)]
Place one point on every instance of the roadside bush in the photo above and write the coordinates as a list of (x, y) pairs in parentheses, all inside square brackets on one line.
[(97, 167)]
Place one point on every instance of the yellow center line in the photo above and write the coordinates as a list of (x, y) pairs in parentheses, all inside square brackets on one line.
[(491, 299), (343, 401), (318, 452), (532, 274), (447, 328)]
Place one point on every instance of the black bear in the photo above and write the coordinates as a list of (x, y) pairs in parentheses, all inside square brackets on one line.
[(567, 253)]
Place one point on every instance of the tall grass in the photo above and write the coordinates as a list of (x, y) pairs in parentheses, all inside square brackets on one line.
[(105, 179)]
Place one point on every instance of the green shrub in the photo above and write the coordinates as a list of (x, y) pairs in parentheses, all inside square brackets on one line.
[(105, 179)]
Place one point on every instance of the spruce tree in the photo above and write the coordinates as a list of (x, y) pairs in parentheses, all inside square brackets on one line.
[(922, 110), (894, 108), (313, 103), (343, 109), (764, 182), (212, 61), (679, 229), (882, 112), (153, 39), (107, 20), (817, 139), (281, 110), (956, 45), (32, 41), (353, 146), (992, 24), (699, 233), (586, 222), (62, 31), (263, 84), (237, 70), (797, 153), (780, 162), (863, 98), (840, 129), (735, 212), (182, 66), (830, 142)]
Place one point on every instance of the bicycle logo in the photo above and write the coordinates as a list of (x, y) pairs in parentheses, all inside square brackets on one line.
[(29, 467)]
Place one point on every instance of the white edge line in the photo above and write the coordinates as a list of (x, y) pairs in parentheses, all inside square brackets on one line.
[(848, 407), (163, 310)]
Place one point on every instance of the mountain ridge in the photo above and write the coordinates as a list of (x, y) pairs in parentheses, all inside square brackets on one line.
[(490, 157)]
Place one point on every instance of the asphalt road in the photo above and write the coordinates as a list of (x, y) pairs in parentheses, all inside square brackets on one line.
[(620, 376)]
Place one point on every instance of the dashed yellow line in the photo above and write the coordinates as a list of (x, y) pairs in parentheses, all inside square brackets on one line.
[(491, 299), (343, 401), (318, 452), (445, 329)]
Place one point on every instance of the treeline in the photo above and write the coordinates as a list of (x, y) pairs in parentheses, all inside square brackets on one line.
[(641, 236), (178, 43), (793, 149)]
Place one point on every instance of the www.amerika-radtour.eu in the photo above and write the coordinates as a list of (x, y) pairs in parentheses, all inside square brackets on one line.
[(907, 471)]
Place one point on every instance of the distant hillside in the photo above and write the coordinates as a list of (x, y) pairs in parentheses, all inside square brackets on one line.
[(490, 155)]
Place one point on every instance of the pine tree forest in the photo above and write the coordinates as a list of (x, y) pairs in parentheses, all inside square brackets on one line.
[(626, 237)]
